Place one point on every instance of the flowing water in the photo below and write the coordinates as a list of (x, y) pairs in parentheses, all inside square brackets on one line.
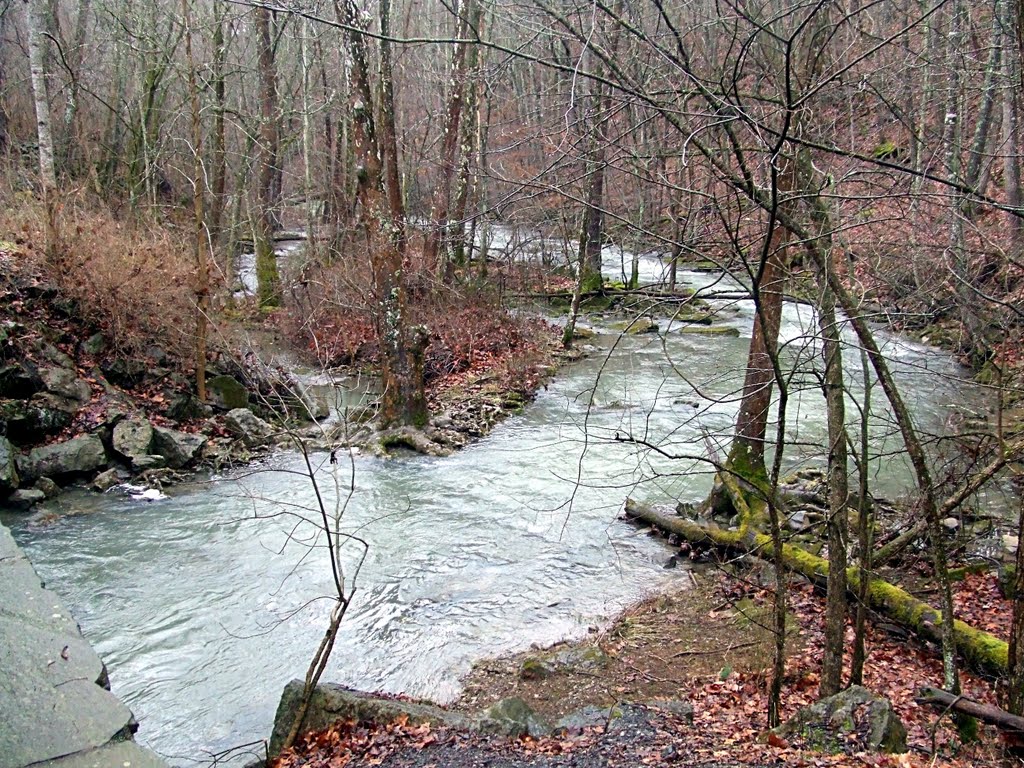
[(204, 604)]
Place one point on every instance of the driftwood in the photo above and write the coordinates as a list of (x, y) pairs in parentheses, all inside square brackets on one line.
[(947, 701), (981, 650)]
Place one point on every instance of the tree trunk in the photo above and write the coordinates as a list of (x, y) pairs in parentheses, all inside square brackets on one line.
[(73, 62), (202, 279), (267, 278), (40, 93), (435, 250), (981, 650)]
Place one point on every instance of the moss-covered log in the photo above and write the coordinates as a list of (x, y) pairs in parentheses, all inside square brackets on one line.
[(981, 650)]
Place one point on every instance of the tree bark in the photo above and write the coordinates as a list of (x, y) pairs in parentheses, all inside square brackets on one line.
[(981, 650), (41, 97), (267, 278)]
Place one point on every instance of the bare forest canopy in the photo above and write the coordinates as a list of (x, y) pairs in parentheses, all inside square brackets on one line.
[(885, 133)]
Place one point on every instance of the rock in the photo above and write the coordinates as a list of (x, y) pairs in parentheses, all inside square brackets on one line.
[(244, 424), (1010, 543), (94, 345), (9, 480), (57, 357), (679, 708), (106, 480), (576, 722), (226, 393), (951, 524), (178, 448), (64, 383), (854, 718), (184, 407), (331, 703), (47, 486), (133, 437), (23, 498), (636, 327), (145, 463), (800, 521), (77, 456), (19, 380), (534, 668), (156, 355), (512, 717), (123, 372), (28, 422)]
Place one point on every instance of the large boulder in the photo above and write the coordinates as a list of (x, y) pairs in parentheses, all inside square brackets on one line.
[(331, 703), (77, 456), (246, 425), (226, 393), (178, 448), (132, 438), (9, 479), (854, 718)]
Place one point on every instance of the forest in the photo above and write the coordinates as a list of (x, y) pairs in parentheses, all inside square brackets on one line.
[(455, 202)]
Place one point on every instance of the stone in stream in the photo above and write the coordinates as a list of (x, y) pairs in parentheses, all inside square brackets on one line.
[(855, 717), (106, 480), (178, 448), (9, 480), (133, 437), (24, 498), (47, 487), (77, 456)]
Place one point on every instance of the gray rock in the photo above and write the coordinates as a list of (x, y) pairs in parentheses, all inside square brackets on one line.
[(226, 392), (331, 703), (54, 707), (9, 480), (144, 463), (855, 717), (57, 357), (19, 380), (1010, 543), (64, 383), (183, 407), (678, 707), (77, 456), (576, 722), (23, 498), (133, 437), (799, 521), (94, 345), (513, 717), (178, 448), (47, 486), (951, 524), (106, 480), (244, 424), (29, 422)]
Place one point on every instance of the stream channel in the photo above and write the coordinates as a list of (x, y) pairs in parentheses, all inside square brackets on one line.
[(201, 607)]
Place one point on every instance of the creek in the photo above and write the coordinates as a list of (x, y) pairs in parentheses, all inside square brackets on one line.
[(203, 606)]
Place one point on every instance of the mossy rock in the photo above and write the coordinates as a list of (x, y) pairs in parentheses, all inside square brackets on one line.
[(636, 327), (852, 719), (227, 393)]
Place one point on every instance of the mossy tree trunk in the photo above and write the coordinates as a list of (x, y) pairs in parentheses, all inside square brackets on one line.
[(382, 220), (268, 282), (981, 650)]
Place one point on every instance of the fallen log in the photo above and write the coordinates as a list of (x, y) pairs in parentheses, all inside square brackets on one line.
[(947, 701), (982, 651)]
